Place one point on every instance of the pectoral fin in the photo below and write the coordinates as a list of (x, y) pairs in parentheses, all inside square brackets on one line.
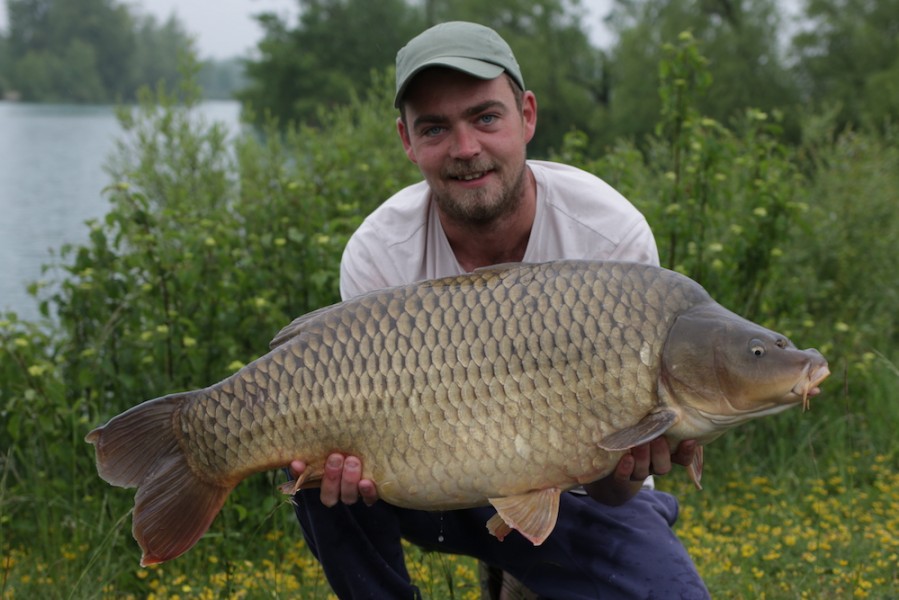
[(649, 428), (695, 468), (533, 514)]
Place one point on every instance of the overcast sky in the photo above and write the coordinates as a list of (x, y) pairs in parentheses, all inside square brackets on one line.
[(223, 28), (226, 28)]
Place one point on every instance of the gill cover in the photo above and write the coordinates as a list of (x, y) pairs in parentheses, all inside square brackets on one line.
[(718, 363)]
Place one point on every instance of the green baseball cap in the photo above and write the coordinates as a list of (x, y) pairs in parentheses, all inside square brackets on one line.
[(467, 47)]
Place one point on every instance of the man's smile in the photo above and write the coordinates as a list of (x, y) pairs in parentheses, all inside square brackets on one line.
[(471, 176)]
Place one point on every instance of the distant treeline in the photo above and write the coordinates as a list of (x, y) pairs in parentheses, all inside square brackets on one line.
[(839, 56), (835, 57), (97, 51)]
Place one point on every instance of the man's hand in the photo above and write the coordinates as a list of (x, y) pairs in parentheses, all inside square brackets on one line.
[(342, 481), (654, 458)]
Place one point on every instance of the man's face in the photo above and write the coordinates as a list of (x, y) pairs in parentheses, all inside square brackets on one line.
[(468, 138)]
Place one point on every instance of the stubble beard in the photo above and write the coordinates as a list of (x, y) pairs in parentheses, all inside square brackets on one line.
[(484, 206)]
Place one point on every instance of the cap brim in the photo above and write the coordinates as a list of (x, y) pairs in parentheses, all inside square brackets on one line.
[(474, 67)]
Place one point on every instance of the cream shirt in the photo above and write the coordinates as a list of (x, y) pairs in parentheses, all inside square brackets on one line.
[(578, 216)]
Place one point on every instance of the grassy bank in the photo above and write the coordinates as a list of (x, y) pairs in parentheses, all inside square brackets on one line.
[(752, 535)]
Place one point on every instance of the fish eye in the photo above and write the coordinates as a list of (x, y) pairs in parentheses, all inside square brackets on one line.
[(757, 347)]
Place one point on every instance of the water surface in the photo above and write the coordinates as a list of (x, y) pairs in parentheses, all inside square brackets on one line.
[(51, 182)]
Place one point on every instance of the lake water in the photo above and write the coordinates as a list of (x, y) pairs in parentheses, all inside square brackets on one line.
[(51, 182)]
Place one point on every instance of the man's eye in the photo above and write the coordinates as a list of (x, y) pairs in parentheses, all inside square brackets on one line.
[(488, 119), (432, 131)]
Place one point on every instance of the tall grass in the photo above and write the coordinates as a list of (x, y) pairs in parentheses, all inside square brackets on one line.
[(213, 243)]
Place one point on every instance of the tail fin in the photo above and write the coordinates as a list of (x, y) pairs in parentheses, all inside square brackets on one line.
[(173, 507)]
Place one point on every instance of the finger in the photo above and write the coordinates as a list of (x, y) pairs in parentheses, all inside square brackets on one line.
[(296, 468), (331, 480), (660, 455), (684, 453), (625, 469), (369, 491), (349, 481), (642, 462)]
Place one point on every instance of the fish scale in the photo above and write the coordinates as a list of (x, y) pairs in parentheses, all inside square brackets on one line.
[(507, 385)]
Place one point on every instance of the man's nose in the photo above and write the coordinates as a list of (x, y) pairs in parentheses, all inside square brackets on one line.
[(465, 143)]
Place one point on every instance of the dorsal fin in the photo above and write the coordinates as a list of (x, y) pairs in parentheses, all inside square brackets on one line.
[(499, 267), (295, 327)]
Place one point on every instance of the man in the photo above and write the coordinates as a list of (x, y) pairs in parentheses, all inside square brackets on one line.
[(465, 120)]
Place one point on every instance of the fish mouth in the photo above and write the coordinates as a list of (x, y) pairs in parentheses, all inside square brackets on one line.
[(811, 378)]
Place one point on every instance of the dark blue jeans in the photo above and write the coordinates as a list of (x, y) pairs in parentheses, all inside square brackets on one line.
[(595, 551)]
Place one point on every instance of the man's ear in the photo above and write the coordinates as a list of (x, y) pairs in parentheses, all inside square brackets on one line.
[(404, 136), (529, 115)]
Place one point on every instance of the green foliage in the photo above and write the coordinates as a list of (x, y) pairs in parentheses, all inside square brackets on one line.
[(853, 199), (739, 39)]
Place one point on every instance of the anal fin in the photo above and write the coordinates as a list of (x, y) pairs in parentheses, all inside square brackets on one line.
[(533, 514)]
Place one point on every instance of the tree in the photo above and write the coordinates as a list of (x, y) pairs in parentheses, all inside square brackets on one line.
[(220, 79), (158, 47), (4, 65), (327, 58), (50, 28), (740, 38), (80, 74), (86, 50), (849, 55)]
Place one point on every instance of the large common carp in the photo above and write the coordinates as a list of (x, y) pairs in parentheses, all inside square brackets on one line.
[(507, 385)]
